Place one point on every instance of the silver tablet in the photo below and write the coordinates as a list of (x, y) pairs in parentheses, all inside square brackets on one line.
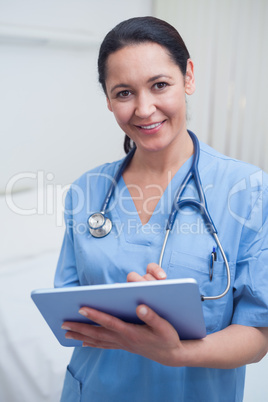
[(176, 300)]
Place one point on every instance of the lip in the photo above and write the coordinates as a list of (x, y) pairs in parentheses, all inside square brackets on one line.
[(150, 128)]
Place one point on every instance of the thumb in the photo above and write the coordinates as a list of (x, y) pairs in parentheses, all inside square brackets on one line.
[(152, 319)]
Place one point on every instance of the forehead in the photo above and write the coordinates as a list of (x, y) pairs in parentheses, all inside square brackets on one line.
[(138, 60)]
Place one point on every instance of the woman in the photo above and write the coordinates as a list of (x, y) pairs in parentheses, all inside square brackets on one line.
[(145, 70)]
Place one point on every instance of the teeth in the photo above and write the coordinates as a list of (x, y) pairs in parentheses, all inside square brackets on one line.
[(151, 126)]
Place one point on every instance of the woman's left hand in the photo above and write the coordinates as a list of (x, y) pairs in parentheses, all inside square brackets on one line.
[(157, 340)]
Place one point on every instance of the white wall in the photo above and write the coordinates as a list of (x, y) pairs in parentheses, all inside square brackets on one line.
[(53, 112)]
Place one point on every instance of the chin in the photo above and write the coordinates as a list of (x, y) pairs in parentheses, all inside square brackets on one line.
[(154, 146)]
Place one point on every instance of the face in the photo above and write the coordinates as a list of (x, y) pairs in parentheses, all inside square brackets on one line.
[(146, 92)]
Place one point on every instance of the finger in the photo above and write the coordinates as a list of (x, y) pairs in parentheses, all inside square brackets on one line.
[(153, 320), (93, 333), (100, 346), (156, 271), (103, 319), (134, 277), (80, 328), (93, 342), (149, 277)]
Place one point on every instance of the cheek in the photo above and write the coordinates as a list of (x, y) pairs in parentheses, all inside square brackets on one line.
[(122, 113), (175, 107)]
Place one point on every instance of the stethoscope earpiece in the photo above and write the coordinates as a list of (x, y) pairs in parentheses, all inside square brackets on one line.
[(99, 225)]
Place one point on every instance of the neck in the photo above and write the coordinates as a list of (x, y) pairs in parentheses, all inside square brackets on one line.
[(166, 160)]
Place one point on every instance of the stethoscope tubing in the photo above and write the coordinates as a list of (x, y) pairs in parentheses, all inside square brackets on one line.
[(228, 274), (104, 228), (115, 180), (200, 205), (178, 203)]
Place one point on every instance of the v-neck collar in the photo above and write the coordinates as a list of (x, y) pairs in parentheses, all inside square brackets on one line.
[(129, 219)]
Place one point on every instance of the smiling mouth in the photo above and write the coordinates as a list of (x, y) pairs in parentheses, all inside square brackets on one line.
[(151, 126)]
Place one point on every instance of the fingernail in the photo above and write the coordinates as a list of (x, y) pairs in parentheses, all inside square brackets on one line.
[(162, 275), (82, 312), (65, 327), (143, 311), (69, 336)]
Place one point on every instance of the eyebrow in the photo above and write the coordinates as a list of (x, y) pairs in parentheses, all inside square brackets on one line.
[(154, 78)]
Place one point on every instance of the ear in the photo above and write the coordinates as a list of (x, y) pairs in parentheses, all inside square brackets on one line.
[(189, 78), (109, 104)]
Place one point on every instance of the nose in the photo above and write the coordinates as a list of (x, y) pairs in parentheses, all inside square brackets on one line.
[(145, 105)]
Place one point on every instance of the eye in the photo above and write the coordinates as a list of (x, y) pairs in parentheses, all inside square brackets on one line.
[(124, 94), (160, 85)]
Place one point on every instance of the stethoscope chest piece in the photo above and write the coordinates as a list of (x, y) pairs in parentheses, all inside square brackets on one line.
[(99, 225)]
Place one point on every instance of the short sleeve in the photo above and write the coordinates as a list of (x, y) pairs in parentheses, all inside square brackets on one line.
[(251, 281), (66, 272)]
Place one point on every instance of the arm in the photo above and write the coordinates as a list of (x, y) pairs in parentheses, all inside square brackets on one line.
[(232, 347), (66, 272)]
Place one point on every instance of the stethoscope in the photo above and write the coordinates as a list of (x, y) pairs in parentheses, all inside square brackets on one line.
[(100, 225)]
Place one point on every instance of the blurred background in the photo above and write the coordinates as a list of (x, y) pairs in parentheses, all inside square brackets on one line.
[(55, 125)]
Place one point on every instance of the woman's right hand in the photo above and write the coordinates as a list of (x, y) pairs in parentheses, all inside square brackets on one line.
[(153, 272)]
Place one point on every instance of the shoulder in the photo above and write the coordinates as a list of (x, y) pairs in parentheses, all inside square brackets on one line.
[(226, 169), (102, 174), (91, 185)]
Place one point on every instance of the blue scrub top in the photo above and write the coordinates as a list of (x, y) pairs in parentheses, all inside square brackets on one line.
[(237, 196)]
